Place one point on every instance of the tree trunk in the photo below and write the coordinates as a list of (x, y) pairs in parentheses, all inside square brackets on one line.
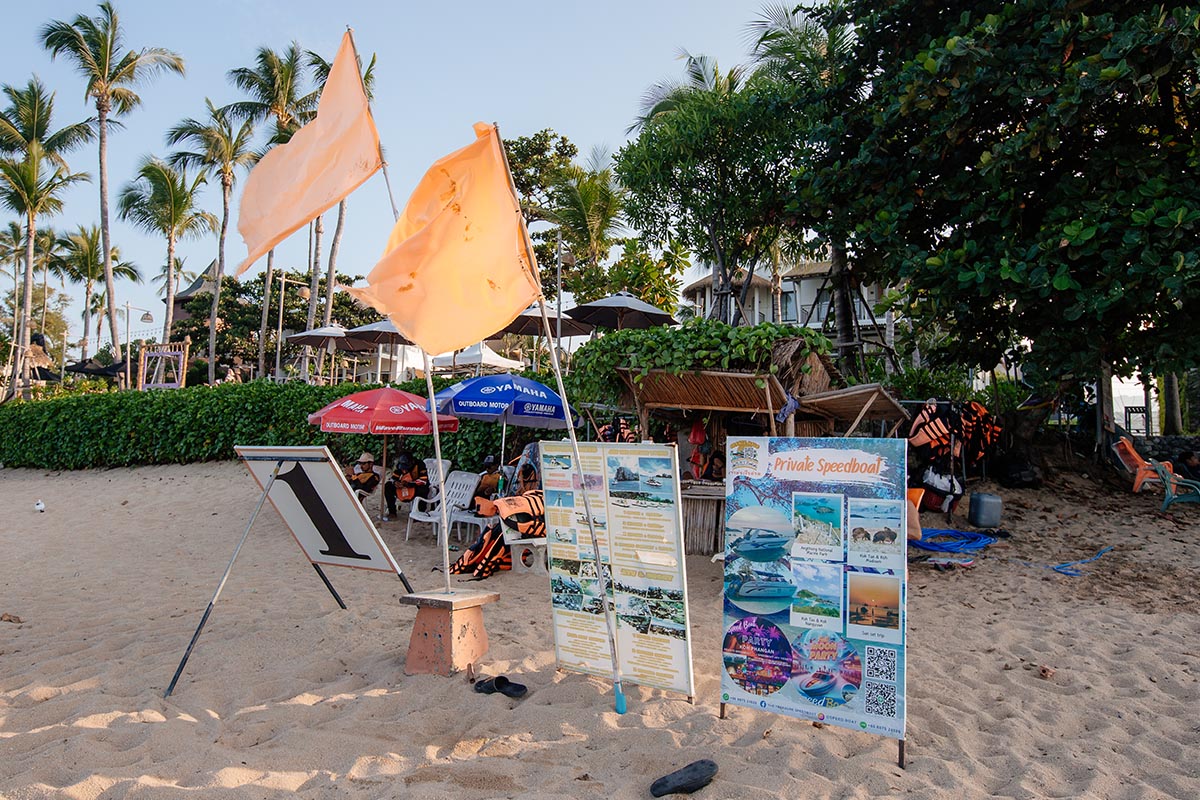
[(331, 275), (843, 311), (314, 289), (26, 302), (105, 235), (268, 278), (87, 320), (170, 312), (45, 292), (226, 188), (1172, 421)]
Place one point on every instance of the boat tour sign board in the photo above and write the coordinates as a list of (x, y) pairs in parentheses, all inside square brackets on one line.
[(815, 580), (633, 492)]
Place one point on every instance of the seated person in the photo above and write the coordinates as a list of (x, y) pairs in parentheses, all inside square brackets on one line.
[(713, 467), (489, 481), (1187, 466), (364, 476), (409, 480)]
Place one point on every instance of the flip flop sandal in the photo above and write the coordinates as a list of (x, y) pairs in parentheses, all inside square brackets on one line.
[(695, 775), (502, 685)]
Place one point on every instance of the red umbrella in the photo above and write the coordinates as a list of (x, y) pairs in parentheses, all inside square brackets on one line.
[(383, 411)]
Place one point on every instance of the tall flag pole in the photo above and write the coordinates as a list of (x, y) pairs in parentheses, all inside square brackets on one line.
[(618, 692), (437, 438)]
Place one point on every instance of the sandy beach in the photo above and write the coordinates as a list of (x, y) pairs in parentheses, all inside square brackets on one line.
[(287, 694)]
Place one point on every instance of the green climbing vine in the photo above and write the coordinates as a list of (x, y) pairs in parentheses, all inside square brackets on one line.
[(698, 344)]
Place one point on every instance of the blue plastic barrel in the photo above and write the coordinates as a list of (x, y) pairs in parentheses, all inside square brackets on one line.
[(984, 511)]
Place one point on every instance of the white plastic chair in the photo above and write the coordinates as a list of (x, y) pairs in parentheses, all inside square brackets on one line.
[(460, 488), (431, 471)]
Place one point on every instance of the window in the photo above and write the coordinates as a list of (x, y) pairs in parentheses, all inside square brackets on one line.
[(788, 306)]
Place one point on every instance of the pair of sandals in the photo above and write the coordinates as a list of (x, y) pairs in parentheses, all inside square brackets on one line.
[(501, 685)]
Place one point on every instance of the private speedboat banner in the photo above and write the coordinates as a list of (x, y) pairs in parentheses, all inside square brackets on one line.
[(815, 580)]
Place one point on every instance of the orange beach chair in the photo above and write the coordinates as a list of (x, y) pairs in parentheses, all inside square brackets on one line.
[(1142, 471)]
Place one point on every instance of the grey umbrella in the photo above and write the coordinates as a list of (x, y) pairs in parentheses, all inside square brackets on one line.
[(327, 335), (619, 311), (382, 332), (529, 323)]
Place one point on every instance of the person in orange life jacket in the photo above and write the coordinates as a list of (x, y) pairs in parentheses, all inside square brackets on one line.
[(489, 481), (364, 476), (408, 480)]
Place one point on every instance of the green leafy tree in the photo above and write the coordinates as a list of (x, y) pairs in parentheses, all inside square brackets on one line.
[(163, 200), (275, 87), (653, 277), (1032, 170), (96, 46), (224, 149), (536, 163), (81, 260), (710, 169)]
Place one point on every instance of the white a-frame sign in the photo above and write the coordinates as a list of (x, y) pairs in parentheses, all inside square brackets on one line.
[(320, 509)]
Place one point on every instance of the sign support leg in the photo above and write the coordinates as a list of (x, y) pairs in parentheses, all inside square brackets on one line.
[(900, 755), (403, 579), (329, 585), (262, 500), (722, 716)]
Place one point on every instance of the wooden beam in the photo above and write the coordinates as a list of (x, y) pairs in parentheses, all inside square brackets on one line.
[(862, 413)]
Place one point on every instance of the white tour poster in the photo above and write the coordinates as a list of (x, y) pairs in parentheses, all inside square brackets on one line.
[(633, 492), (816, 580)]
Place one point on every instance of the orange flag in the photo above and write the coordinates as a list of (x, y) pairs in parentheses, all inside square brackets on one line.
[(325, 160), (455, 269)]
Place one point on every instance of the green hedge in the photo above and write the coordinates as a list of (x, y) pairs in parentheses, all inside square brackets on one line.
[(203, 423)]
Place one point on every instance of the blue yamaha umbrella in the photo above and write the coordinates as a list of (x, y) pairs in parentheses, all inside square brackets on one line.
[(505, 398)]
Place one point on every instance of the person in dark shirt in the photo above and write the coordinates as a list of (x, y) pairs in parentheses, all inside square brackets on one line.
[(1188, 466)]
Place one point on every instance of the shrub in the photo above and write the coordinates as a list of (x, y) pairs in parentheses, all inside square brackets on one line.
[(203, 423)]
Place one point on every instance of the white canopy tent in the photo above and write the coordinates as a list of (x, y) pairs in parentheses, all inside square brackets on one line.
[(476, 357)]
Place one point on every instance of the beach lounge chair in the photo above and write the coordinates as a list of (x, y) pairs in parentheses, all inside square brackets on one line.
[(460, 488), (1134, 463), (1175, 488)]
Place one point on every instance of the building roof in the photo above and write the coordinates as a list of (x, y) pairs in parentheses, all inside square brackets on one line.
[(202, 285), (707, 280), (808, 269)]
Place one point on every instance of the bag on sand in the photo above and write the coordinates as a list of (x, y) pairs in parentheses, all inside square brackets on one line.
[(942, 490)]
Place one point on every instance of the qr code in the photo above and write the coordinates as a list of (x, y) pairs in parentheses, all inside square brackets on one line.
[(881, 699), (881, 663)]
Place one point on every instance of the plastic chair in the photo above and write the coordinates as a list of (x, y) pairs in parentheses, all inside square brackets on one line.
[(460, 488), (1177, 489), (431, 471), (1133, 462)]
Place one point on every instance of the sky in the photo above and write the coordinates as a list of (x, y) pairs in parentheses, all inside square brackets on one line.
[(578, 69)]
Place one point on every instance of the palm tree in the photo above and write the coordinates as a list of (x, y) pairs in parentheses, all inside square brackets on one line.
[(47, 250), (97, 47), (224, 150), (162, 200), (30, 188), (12, 249), (321, 69), (274, 85), (176, 272), (587, 204), (27, 120), (81, 260), (702, 75)]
